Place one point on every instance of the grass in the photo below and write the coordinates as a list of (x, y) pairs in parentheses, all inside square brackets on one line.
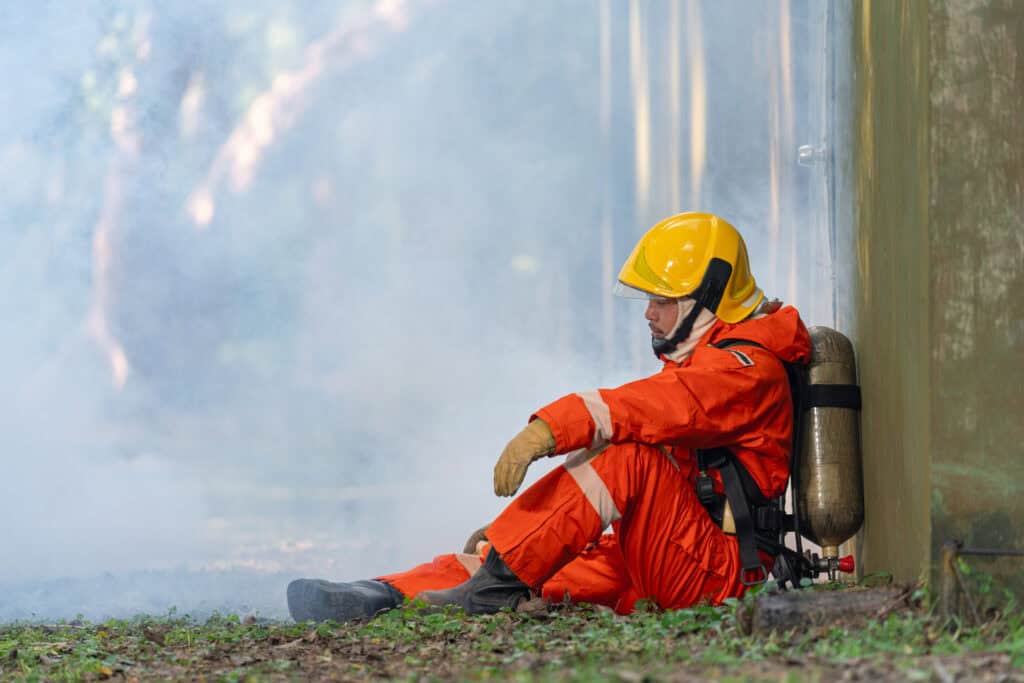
[(567, 643)]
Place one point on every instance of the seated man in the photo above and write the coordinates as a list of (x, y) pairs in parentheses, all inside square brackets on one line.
[(631, 454)]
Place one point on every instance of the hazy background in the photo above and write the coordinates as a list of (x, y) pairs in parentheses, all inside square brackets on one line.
[(278, 280)]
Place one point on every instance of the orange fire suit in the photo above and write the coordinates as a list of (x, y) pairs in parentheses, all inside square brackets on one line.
[(631, 465)]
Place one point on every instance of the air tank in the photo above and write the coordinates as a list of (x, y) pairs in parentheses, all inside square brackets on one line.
[(831, 492)]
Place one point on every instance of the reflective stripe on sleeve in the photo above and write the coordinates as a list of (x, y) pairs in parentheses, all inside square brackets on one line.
[(743, 358), (594, 489), (469, 562), (601, 416)]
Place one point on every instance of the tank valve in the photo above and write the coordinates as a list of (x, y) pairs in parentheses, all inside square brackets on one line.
[(832, 565)]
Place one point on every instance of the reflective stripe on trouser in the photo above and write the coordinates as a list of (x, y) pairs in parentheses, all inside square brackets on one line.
[(673, 553)]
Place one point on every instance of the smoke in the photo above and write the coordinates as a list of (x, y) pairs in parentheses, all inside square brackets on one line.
[(281, 279)]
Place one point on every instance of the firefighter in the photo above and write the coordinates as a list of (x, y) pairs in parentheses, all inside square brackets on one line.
[(630, 454)]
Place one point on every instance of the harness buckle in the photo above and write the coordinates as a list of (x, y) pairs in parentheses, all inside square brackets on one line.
[(759, 572), (705, 487)]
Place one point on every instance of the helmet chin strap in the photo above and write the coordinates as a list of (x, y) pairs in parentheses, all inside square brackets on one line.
[(666, 345), (705, 298)]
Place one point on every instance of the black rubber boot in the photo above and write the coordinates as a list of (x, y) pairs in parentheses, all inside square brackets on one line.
[(319, 600), (492, 587)]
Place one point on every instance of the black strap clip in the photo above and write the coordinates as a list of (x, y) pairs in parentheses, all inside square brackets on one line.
[(705, 486), (770, 518)]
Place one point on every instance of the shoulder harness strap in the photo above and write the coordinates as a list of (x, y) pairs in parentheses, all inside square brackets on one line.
[(755, 517)]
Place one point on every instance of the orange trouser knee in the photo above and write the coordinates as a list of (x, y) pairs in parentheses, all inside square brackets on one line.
[(672, 552), (597, 575)]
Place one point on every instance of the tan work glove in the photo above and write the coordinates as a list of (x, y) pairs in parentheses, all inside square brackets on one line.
[(535, 441)]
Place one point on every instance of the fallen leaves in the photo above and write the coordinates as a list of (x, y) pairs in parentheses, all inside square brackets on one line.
[(156, 635), (540, 640)]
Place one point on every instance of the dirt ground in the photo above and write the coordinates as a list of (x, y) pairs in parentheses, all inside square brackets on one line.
[(560, 643)]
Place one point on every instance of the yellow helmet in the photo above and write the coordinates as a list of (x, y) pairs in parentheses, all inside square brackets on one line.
[(698, 255)]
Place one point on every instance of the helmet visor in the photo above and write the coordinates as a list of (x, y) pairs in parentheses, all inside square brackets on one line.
[(627, 292)]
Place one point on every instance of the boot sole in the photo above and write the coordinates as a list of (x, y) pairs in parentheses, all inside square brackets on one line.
[(319, 600)]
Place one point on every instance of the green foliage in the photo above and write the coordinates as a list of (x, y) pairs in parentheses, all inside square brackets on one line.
[(568, 642)]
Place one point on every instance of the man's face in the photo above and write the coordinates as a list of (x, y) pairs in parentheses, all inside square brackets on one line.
[(662, 315)]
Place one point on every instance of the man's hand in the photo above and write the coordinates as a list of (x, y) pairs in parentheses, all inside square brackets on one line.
[(534, 442)]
